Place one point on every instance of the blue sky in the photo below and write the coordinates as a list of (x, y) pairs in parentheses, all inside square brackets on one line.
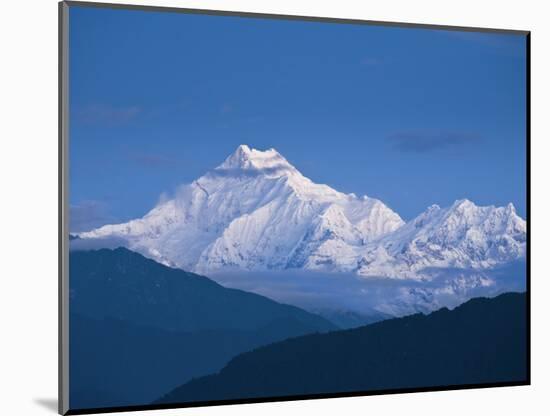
[(410, 116)]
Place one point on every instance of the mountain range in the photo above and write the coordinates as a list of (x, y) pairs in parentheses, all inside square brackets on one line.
[(145, 320), (481, 341), (257, 212)]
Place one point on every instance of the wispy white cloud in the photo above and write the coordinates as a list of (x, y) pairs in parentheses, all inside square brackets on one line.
[(85, 244), (88, 215), (424, 141), (370, 61), (227, 108), (107, 114)]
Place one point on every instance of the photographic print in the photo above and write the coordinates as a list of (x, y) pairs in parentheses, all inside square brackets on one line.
[(267, 208)]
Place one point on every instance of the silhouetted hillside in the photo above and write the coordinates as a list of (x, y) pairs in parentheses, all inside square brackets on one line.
[(114, 363), (137, 328), (125, 285), (481, 341)]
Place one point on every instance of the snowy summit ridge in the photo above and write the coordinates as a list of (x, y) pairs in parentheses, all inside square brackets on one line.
[(256, 211), (251, 159)]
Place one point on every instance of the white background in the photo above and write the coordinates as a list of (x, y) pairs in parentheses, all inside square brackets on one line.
[(28, 216)]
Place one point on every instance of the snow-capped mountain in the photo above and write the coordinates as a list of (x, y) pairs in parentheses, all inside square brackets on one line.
[(258, 212), (461, 236)]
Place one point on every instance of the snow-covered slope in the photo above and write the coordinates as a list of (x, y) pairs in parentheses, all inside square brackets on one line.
[(461, 236), (258, 212)]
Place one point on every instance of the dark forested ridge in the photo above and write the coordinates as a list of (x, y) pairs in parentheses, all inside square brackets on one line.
[(115, 363), (124, 285), (137, 328), (482, 341)]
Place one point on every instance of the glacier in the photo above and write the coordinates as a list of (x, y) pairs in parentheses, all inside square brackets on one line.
[(257, 212)]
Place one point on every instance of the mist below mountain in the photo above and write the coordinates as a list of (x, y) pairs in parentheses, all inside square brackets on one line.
[(335, 295)]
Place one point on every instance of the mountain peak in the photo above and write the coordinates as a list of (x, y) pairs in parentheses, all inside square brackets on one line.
[(463, 204), (243, 148), (465, 207), (510, 208), (247, 158)]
